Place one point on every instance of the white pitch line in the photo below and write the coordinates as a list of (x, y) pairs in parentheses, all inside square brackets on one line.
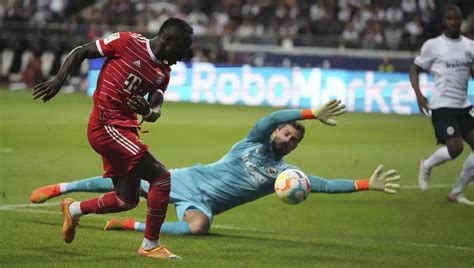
[(17, 206), (6, 150), (434, 245), (28, 208), (434, 186)]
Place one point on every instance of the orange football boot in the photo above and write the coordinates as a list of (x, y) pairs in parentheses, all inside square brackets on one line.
[(69, 224), (158, 253), (44, 193), (118, 224)]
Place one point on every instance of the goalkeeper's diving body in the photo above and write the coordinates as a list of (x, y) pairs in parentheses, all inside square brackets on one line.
[(246, 173)]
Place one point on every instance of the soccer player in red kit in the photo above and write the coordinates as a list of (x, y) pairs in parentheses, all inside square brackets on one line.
[(135, 66)]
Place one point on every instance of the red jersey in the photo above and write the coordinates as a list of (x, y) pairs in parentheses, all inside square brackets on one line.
[(130, 69)]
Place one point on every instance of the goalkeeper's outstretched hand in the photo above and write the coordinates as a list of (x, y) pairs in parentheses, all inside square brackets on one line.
[(384, 181), (330, 108)]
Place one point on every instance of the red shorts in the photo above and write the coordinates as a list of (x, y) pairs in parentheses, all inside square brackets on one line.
[(120, 147)]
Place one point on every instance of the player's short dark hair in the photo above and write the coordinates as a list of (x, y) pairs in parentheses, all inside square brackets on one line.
[(297, 125), (175, 25), (454, 8)]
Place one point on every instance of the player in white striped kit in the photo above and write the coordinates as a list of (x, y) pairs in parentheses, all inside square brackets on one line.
[(449, 57)]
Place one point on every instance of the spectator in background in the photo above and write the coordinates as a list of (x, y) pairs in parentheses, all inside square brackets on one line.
[(414, 30), (32, 73), (199, 56), (467, 26), (350, 36), (392, 36), (372, 37), (386, 66), (198, 21)]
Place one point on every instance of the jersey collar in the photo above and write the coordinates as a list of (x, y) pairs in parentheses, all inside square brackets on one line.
[(150, 52), (451, 39)]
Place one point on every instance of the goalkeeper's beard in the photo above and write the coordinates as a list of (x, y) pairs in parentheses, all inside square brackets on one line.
[(280, 148)]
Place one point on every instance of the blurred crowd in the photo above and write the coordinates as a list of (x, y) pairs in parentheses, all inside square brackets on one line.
[(59, 25)]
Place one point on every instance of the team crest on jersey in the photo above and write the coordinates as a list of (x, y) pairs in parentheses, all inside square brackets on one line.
[(272, 171), (450, 130), (111, 38), (160, 79)]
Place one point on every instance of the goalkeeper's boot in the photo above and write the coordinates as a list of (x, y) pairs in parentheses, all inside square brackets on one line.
[(118, 224), (423, 176), (459, 199), (158, 253), (44, 193), (69, 223)]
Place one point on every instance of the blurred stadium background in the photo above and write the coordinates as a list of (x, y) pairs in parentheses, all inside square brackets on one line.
[(35, 35), (357, 50)]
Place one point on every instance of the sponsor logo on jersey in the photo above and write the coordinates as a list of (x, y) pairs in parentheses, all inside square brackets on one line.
[(458, 64), (137, 63), (255, 175)]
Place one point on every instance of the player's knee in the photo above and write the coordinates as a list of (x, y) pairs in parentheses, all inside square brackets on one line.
[(161, 183), (455, 150), (199, 228), (128, 204), (199, 224)]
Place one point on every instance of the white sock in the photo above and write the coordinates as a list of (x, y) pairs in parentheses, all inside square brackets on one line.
[(149, 244), (437, 158), (63, 187), (75, 210), (467, 174)]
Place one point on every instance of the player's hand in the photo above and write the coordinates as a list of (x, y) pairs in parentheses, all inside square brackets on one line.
[(46, 90), (384, 181), (423, 105), (139, 105), (330, 108)]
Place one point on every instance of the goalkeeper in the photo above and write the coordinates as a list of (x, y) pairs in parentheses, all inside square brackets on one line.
[(246, 173)]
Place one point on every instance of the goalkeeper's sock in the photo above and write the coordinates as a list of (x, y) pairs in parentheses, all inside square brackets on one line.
[(93, 184), (140, 226), (437, 158), (176, 227)]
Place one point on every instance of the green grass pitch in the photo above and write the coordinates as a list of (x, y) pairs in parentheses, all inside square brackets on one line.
[(46, 143)]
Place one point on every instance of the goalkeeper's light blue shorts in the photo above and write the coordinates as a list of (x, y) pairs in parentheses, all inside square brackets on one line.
[(184, 194)]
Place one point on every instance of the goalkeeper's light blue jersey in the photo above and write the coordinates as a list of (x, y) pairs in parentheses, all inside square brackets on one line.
[(247, 172)]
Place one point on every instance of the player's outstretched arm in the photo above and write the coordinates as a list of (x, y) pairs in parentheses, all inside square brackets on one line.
[(379, 181), (265, 126), (327, 110), (47, 90)]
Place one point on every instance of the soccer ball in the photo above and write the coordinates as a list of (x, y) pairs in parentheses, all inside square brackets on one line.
[(292, 186)]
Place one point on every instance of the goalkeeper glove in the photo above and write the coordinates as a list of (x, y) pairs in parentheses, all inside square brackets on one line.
[(384, 182), (330, 108)]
